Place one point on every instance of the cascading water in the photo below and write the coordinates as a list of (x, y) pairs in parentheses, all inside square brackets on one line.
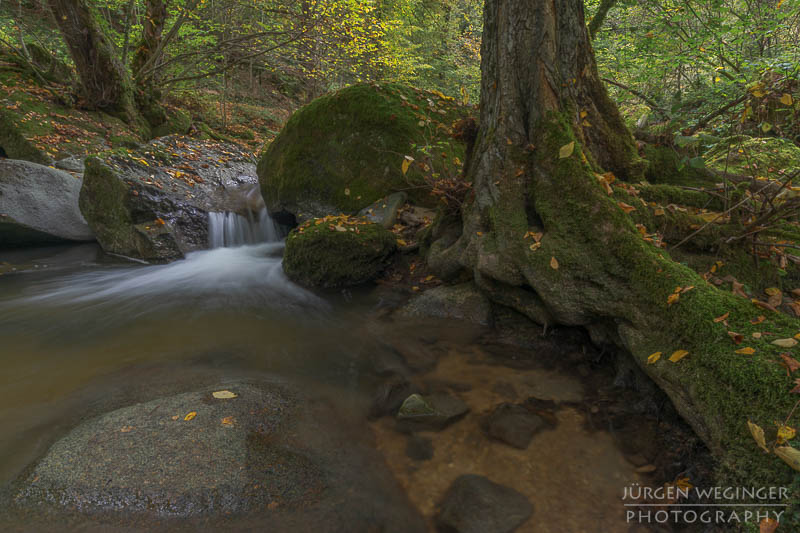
[(226, 230)]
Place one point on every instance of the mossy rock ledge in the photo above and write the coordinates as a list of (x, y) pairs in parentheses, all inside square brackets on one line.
[(153, 203), (337, 252), (344, 151)]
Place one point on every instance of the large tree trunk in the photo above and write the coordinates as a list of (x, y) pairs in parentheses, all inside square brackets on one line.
[(540, 93), (145, 63), (105, 82)]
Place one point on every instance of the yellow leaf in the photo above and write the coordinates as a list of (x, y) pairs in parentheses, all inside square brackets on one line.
[(583, 114), (401, 242), (190, 416), (653, 357), (677, 355), (758, 435), (790, 455), (746, 351), (659, 212), (785, 343), (785, 433), (535, 246), (407, 160), (228, 421), (786, 99), (566, 150), (554, 263), (772, 291), (224, 394), (672, 298)]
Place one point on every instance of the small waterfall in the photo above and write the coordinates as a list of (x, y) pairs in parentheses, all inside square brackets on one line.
[(229, 229)]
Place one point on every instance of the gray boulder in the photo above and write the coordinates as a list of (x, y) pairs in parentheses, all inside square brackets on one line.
[(39, 204), (462, 302), (474, 504), (384, 211), (430, 412), (153, 203), (263, 453)]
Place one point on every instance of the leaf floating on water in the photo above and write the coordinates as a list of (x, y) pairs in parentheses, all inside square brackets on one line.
[(566, 150), (785, 433), (746, 351), (653, 357), (785, 343), (190, 416), (224, 394), (758, 435), (677, 355), (554, 263), (791, 456)]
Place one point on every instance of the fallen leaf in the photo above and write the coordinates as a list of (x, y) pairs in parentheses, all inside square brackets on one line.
[(347, 192), (785, 433), (785, 343), (126, 429), (672, 298), (758, 435), (722, 317), (790, 455), (659, 212), (554, 263), (746, 351), (756, 334), (758, 320), (791, 363), (625, 207), (764, 305), (190, 416), (796, 388), (228, 421), (566, 150), (160, 221), (737, 289), (677, 355), (786, 99), (224, 394), (772, 291), (736, 337), (767, 525), (535, 246), (407, 160), (653, 357)]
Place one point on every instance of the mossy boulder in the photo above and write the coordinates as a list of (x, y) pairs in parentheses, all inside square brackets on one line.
[(14, 144), (344, 151), (337, 252), (177, 122), (153, 203)]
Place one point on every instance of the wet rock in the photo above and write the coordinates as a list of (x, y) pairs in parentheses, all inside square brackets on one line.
[(430, 412), (462, 302), (318, 255), (71, 164), (38, 205), (389, 396), (474, 504), (418, 356), (153, 203), (419, 448), (384, 211), (514, 425), (269, 452)]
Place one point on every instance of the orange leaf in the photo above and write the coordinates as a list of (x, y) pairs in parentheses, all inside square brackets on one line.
[(190, 416), (678, 355), (554, 263), (737, 337), (722, 317), (791, 363), (652, 358), (625, 207), (746, 351), (758, 320), (672, 298), (767, 525)]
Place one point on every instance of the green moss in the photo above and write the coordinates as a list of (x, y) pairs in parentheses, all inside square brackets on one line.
[(318, 256), (177, 122), (750, 156), (14, 143), (665, 165), (345, 150), (670, 194)]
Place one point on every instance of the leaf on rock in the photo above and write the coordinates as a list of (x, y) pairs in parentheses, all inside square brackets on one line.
[(722, 317), (758, 435), (791, 456), (653, 357), (190, 416), (677, 355), (566, 150), (554, 263), (746, 351), (224, 394), (785, 343), (229, 421)]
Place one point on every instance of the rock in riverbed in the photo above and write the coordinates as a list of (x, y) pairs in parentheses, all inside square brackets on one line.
[(463, 302), (430, 412), (260, 450), (474, 504)]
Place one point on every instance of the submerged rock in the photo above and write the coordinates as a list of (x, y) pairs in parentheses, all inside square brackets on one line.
[(344, 151), (514, 425), (462, 302), (474, 504), (236, 448), (153, 203), (430, 412), (39, 205), (337, 253)]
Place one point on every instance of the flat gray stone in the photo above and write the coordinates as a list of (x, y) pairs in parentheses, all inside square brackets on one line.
[(461, 302), (474, 504)]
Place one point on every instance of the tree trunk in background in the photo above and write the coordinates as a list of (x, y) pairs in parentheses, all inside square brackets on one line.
[(105, 82), (148, 95), (597, 21), (547, 129)]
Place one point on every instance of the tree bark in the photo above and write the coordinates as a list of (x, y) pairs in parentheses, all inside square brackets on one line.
[(148, 95), (547, 129), (105, 83)]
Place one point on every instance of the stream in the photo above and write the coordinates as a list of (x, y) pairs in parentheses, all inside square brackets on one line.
[(84, 333)]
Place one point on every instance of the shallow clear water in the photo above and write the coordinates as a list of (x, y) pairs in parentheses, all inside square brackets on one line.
[(83, 333)]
